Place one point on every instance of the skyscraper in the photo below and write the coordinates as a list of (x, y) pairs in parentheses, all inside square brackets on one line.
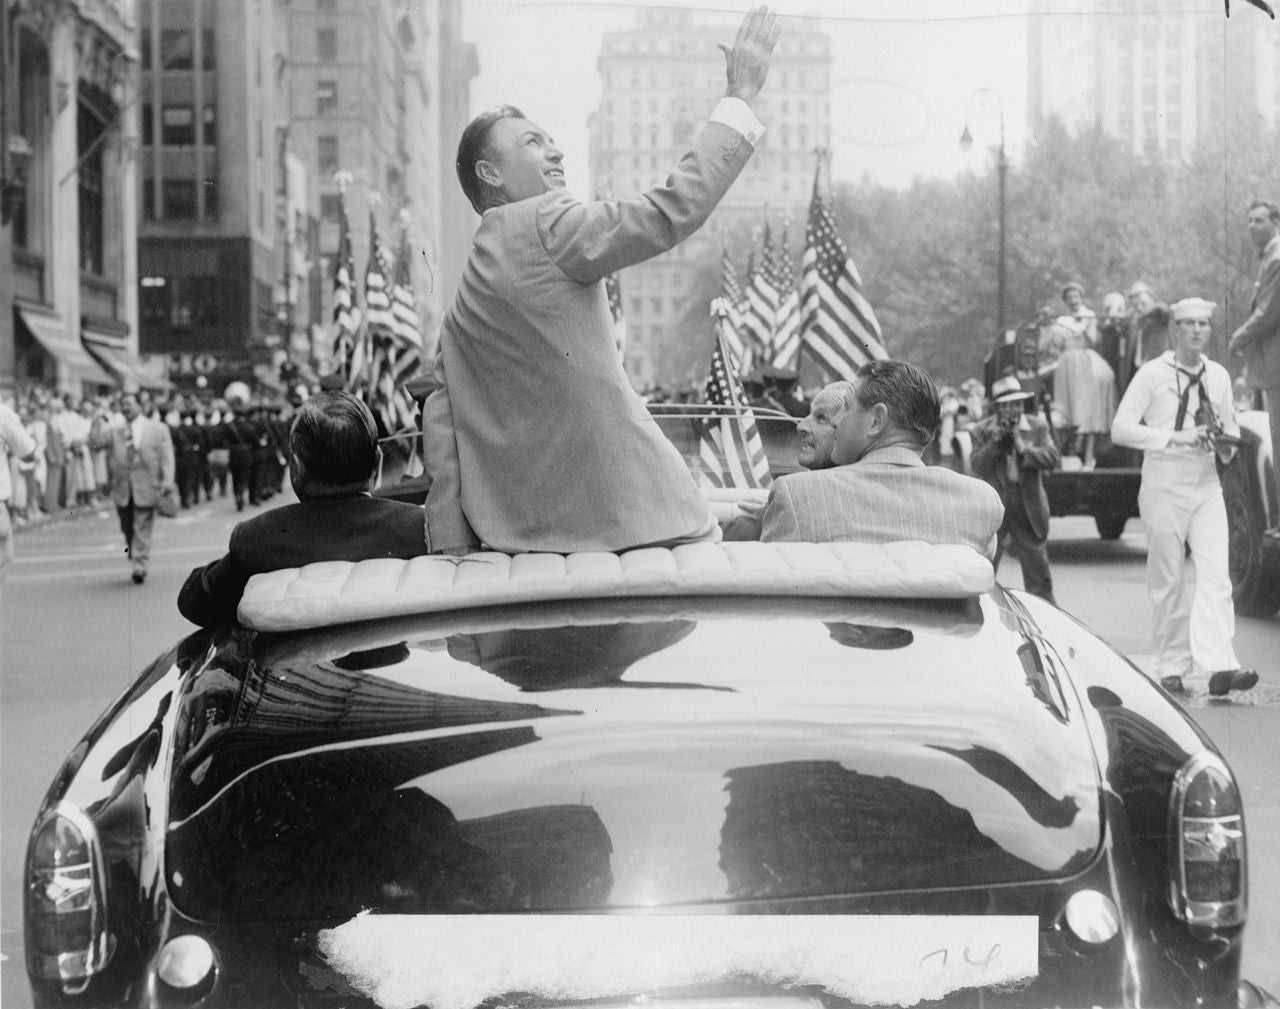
[(659, 82)]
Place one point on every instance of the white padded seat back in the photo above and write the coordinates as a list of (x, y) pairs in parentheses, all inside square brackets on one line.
[(337, 592)]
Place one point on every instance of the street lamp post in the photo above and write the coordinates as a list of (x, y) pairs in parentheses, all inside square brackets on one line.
[(1002, 171)]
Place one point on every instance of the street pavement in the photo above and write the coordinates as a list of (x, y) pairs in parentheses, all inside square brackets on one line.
[(75, 631)]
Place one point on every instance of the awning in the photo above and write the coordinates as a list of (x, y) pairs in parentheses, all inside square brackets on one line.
[(110, 351), (61, 343)]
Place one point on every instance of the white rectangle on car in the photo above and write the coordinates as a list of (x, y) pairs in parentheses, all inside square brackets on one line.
[(458, 961)]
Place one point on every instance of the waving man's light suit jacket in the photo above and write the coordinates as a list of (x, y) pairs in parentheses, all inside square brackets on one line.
[(536, 441)]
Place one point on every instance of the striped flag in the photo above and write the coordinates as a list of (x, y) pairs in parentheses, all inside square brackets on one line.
[(728, 308), (406, 361), (376, 377), (346, 316), (730, 446), (839, 330), (761, 310), (784, 346)]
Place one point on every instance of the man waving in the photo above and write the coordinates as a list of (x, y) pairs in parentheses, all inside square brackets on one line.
[(535, 439)]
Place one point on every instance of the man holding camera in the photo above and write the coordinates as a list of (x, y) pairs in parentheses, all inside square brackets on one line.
[(1178, 409), (1011, 449)]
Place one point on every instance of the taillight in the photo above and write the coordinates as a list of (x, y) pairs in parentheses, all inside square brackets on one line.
[(1208, 884), (66, 936)]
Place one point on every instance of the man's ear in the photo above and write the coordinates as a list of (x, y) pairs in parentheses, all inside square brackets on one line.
[(297, 470), (487, 172), (377, 466), (879, 418)]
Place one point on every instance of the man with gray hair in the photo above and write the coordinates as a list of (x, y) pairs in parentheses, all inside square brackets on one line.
[(879, 489), (333, 460)]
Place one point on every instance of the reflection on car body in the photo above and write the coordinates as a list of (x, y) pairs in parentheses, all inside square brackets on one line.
[(777, 754)]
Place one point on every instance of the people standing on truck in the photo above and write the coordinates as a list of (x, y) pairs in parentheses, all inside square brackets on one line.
[(1084, 386), (1178, 410), (1258, 338), (1012, 447)]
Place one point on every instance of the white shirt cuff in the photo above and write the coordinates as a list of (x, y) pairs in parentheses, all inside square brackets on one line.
[(737, 115)]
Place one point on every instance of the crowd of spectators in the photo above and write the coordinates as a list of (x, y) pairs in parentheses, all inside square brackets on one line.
[(216, 444)]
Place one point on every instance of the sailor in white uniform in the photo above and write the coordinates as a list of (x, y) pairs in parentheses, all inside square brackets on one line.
[(1179, 410)]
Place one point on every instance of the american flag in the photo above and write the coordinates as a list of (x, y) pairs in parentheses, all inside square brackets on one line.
[(760, 313), (839, 329), (406, 361), (730, 446), (613, 288), (728, 309), (785, 343), (378, 373), (346, 316)]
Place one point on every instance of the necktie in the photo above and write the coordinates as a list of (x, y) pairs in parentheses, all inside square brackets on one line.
[(1194, 380)]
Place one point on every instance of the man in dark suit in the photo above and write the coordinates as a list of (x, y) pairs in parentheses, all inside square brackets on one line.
[(880, 489), (1258, 338), (535, 439), (141, 466), (1011, 449), (333, 458)]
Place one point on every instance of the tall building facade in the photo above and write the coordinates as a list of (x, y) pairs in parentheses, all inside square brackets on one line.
[(1159, 81), (659, 82), (250, 109), (68, 163)]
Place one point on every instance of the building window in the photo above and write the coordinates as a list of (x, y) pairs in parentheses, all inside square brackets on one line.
[(210, 126), (175, 49), (177, 126), (144, 44), (329, 203), (211, 199), (207, 51), (89, 130), (327, 45), (147, 133), (179, 196), (326, 97), (327, 154)]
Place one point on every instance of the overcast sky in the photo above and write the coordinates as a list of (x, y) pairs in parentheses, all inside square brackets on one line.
[(903, 73)]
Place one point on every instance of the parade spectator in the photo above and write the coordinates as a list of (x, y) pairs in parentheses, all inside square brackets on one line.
[(1258, 338), (879, 489), (140, 460), (81, 486), (535, 439), (1012, 448), (1084, 386), (1173, 410), (15, 443), (333, 458), (57, 452), (817, 438), (1149, 327)]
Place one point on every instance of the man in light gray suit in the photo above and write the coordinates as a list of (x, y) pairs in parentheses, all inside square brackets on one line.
[(880, 489), (141, 466), (535, 439)]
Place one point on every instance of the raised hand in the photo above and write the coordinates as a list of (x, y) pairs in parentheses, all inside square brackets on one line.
[(747, 64)]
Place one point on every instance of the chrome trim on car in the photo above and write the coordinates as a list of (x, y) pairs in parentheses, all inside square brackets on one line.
[(1220, 833)]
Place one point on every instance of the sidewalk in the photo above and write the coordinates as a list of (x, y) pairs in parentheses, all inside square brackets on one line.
[(72, 513)]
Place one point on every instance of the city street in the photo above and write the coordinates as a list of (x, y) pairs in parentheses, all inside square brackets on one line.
[(74, 631)]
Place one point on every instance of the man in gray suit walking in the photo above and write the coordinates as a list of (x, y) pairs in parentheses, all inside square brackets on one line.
[(880, 489), (534, 439)]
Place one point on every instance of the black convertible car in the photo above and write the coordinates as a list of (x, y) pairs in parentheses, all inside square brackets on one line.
[(739, 775)]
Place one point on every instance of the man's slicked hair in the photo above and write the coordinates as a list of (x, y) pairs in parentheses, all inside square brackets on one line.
[(1272, 210), (834, 394), (334, 437), (908, 393), (474, 147)]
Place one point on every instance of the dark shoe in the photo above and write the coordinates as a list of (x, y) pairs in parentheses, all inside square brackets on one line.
[(1226, 680), (1173, 684), (139, 576)]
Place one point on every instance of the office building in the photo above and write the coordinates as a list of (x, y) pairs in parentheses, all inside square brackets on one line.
[(659, 82)]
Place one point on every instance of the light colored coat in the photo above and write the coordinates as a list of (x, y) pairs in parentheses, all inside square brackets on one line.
[(536, 440), (888, 495), (144, 473), (1259, 336)]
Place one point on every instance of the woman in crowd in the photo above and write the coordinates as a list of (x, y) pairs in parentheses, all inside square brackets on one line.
[(1084, 388)]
